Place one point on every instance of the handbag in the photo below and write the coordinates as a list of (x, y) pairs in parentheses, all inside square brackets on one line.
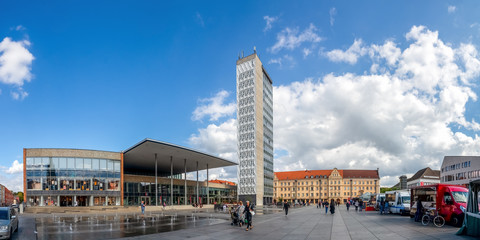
[(253, 213)]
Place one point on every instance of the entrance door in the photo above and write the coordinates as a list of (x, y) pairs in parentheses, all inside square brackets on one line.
[(145, 199), (82, 201), (66, 201)]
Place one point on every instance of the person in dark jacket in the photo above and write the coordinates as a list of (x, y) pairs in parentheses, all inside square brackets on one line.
[(348, 205), (332, 206), (248, 215), (326, 206), (285, 207), (419, 212)]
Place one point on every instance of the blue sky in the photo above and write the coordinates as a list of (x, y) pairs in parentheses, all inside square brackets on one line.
[(105, 75)]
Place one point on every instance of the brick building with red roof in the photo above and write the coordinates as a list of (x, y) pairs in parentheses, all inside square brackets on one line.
[(319, 185)]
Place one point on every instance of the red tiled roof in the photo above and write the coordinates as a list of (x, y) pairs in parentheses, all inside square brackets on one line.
[(321, 173), (302, 174), (223, 182), (360, 174)]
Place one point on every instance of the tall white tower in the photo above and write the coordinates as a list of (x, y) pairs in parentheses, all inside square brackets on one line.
[(255, 131)]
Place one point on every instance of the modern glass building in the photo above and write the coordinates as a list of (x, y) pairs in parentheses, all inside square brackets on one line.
[(255, 130), (150, 171)]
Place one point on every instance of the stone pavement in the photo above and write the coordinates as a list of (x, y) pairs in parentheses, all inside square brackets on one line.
[(313, 223)]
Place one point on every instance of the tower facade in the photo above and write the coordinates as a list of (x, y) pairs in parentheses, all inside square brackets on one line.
[(254, 131)]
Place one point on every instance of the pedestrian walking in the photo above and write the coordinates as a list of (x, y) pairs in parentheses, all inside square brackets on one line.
[(382, 206), (348, 205), (240, 214), (249, 212), (326, 206), (142, 206), (356, 205), (360, 205), (419, 212), (286, 205), (332, 207)]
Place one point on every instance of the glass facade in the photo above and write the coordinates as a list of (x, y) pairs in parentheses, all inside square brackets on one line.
[(135, 192), (68, 181)]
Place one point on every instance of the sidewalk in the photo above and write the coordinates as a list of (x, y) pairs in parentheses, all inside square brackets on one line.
[(313, 223)]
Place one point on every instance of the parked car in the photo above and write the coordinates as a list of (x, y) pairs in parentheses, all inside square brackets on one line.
[(398, 201), (8, 222), (449, 200)]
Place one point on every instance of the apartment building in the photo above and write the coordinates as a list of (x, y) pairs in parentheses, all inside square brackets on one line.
[(319, 185)]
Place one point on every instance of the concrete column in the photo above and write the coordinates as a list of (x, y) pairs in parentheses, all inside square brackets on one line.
[(185, 172), (106, 200), (74, 200), (58, 200), (208, 190), (156, 182), (42, 201), (171, 180), (91, 200), (197, 186)]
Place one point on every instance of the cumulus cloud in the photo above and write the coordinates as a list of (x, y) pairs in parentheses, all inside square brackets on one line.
[(451, 9), (268, 22), (12, 178), (397, 118), (220, 140), (214, 107), (292, 38), (15, 62), (15, 168), (350, 55), (332, 14)]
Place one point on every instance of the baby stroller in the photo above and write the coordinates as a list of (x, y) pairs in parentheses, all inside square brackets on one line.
[(234, 217)]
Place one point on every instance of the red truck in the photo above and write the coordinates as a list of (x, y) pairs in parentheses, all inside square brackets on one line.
[(449, 200)]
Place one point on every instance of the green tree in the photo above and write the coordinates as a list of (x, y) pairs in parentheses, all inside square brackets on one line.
[(20, 196)]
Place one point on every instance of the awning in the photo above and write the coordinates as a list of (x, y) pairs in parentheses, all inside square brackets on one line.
[(140, 158)]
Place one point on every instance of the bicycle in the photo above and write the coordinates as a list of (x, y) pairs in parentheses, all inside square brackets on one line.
[(432, 216)]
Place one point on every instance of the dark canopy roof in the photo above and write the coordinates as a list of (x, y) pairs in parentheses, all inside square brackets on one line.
[(141, 158)]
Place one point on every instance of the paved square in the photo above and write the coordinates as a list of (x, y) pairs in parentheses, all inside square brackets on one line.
[(312, 223)]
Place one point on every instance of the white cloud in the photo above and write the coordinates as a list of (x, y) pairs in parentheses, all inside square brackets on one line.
[(332, 13), (306, 52), (350, 55), (13, 176), (268, 22), (214, 107), (20, 28), (285, 60), (398, 119), (451, 9), (217, 139), (15, 62), (199, 19), (292, 38), (15, 168), (19, 94), (275, 61), (220, 140)]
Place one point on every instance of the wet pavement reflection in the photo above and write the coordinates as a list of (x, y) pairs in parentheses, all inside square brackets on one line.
[(118, 225)]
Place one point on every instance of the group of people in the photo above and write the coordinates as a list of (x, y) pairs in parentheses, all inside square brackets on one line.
[(384, 207), (244, 214)]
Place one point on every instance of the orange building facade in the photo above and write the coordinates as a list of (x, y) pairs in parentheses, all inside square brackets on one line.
[(320, 185)]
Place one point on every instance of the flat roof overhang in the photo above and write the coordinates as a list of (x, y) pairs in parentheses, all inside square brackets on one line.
[(141, 158)]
